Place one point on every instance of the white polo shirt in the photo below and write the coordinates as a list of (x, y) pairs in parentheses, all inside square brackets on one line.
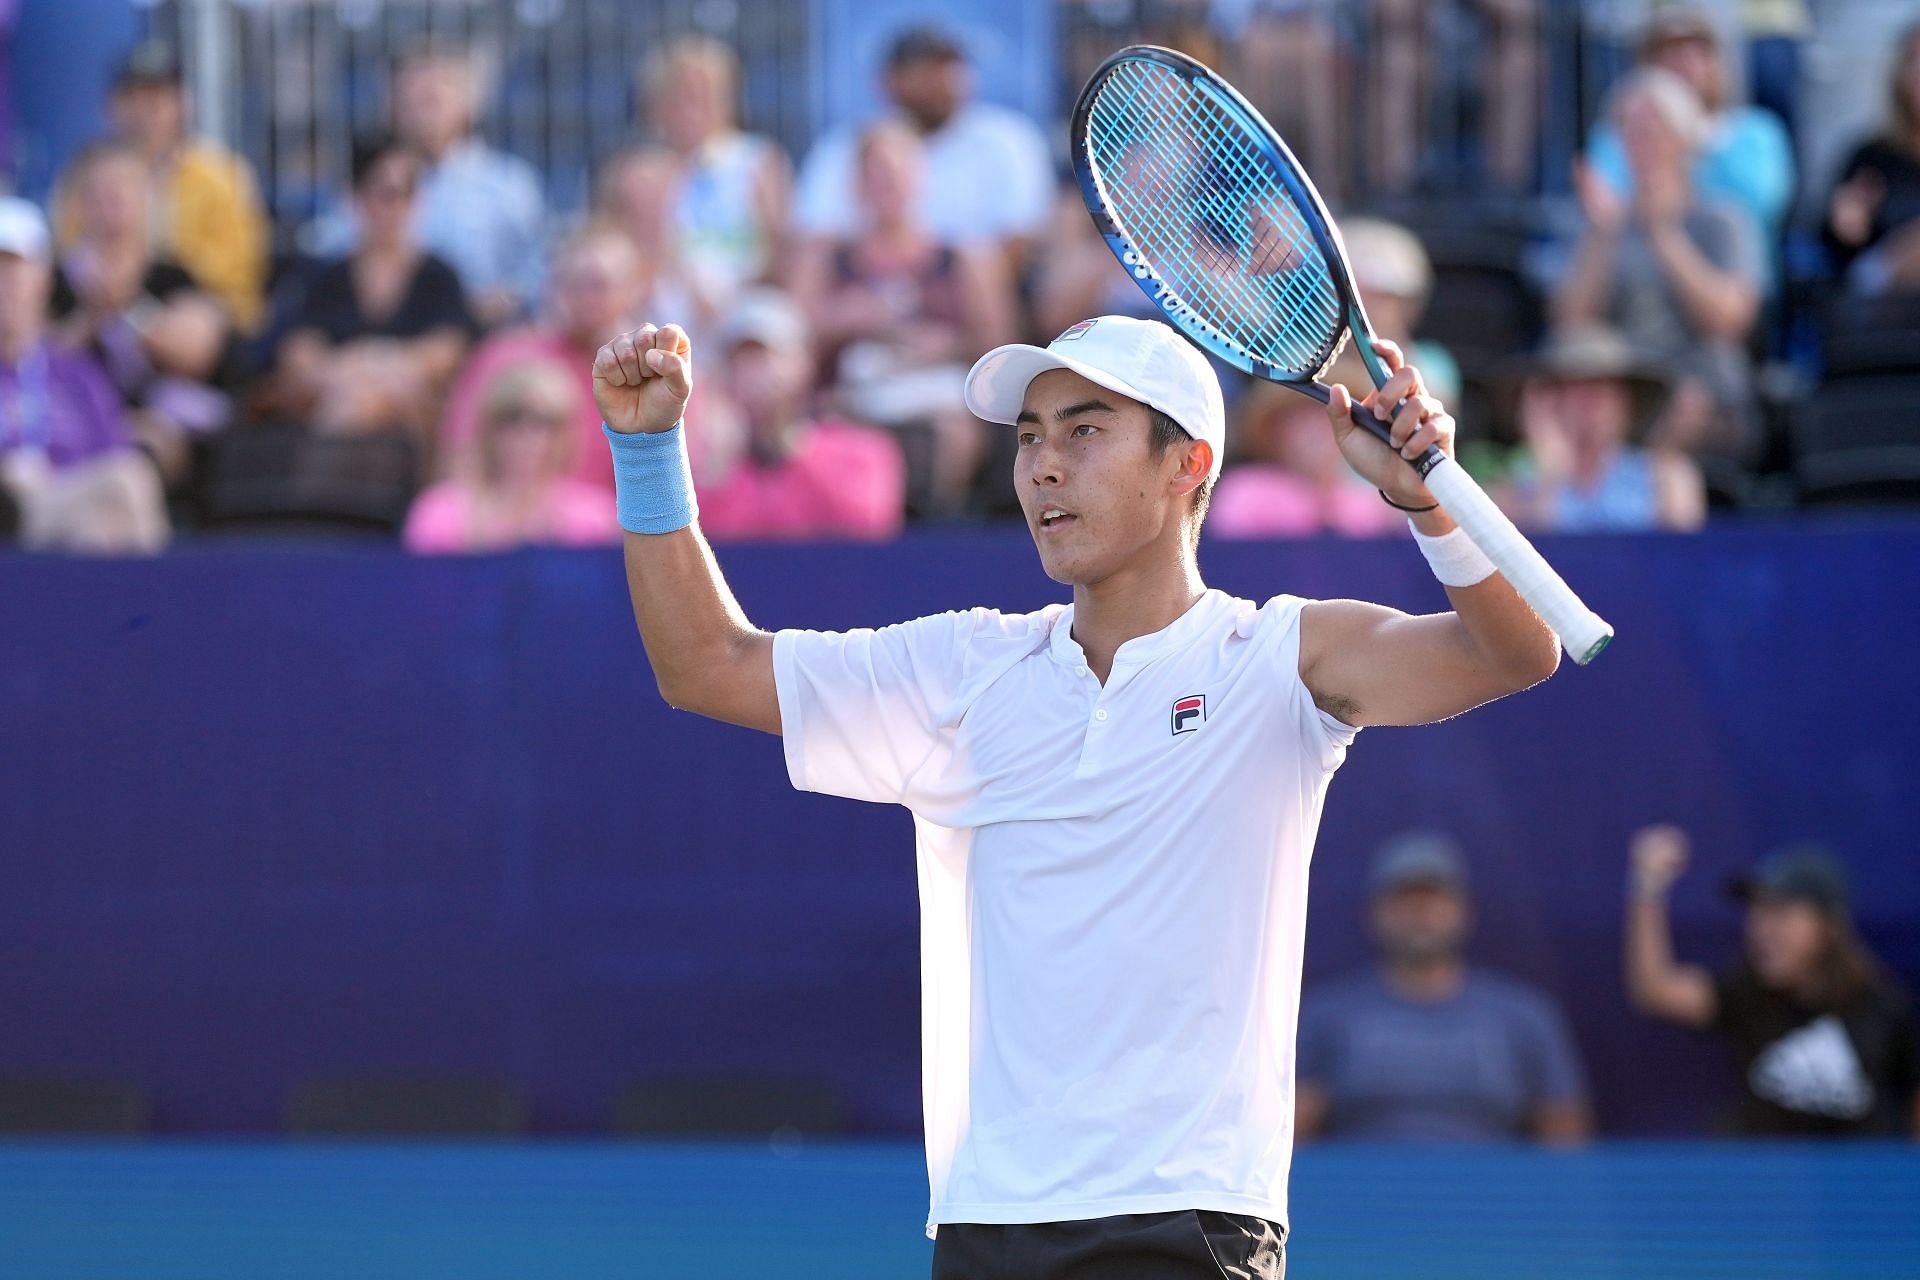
[(1113, 892)]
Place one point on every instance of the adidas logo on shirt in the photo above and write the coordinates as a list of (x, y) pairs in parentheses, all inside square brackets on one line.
[(1815, 1070)]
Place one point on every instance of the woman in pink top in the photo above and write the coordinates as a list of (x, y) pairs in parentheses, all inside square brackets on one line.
[(1292, 482), (511, 487), (600, 282)]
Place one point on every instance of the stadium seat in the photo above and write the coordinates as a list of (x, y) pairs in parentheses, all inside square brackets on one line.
[(1482, 305), (285, 476), (58, 1105), (407, 1106), (1857, 440), (1872, 335), (734, 1105)]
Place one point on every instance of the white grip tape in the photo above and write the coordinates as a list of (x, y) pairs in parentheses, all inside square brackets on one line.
[(1582, 631)]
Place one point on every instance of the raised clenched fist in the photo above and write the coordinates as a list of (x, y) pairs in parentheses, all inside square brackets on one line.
[(1659, 856), (641, 379)]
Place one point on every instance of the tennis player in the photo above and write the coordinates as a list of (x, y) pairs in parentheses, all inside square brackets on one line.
[(1115, 798)]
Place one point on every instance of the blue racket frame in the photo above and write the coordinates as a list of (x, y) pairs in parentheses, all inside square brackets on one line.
[(1314, 216)]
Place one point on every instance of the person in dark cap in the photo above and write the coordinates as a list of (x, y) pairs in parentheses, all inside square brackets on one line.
[(1425, 1047), (208, 215), (989, 169), (1825, 1040)]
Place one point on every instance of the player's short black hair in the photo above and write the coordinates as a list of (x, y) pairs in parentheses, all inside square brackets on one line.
[(1163, 433)]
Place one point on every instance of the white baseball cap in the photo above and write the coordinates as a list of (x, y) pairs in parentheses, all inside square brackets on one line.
[(23, 230), (1143, 360)]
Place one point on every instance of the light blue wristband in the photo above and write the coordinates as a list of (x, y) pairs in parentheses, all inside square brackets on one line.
[(653, 485)]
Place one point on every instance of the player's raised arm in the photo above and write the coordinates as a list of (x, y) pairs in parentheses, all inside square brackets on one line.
[(706, 656), (1368, 664)]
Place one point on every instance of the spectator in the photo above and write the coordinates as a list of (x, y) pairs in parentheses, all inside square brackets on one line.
[(513, 485), (65, 452), (1290, 57), (899, 310), (1406, 39), (206, 212), (638, 191), (1426, 1047), (1742, 157), (1395, 276), (733, 188), (1583, 405), (379, 333), (1288, 479), (144, 319), (1679, 273), (1873, 215), (788, 474), (1825, 1039), (600, 285), (479, 209), (1076, 276), (989, 169)]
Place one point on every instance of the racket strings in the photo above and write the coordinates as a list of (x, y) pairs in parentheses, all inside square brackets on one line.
[(1190, 188)]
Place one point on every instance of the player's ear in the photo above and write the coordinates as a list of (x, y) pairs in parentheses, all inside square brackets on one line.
[(1196, 464)]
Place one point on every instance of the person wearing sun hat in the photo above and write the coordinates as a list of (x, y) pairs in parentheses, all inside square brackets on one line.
[(1585, 404)]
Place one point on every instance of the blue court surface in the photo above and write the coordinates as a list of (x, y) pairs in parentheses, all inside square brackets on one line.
[(271, 1211)]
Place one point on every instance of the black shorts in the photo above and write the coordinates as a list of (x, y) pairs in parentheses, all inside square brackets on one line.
[(1191, 1244)]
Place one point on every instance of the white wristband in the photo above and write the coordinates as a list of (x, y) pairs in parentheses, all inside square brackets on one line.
[(1454, 558)]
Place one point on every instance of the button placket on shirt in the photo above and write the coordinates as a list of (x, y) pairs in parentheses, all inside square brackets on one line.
[(1116, 680)]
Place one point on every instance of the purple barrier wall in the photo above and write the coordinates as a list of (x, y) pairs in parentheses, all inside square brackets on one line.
[(270, 813)]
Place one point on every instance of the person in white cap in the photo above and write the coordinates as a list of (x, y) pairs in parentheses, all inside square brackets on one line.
[(67, 456), (1115, 798)]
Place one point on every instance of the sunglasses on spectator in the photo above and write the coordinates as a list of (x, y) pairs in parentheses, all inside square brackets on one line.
[(530, 415)]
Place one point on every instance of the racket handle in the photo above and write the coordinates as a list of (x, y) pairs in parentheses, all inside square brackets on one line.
[(1582, 632)]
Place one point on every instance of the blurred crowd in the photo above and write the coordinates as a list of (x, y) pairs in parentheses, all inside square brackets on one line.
[(421, 365), (1426, 1046)]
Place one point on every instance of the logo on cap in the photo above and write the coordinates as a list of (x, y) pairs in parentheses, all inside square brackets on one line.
[(1189, 713), (1075, 330)]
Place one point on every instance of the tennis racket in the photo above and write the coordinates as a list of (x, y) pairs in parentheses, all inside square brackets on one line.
[(1219, 225)]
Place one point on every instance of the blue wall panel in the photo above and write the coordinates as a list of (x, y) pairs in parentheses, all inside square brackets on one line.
[(267, 813)]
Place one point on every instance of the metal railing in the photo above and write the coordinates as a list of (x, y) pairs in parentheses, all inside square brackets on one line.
[(289, 82)]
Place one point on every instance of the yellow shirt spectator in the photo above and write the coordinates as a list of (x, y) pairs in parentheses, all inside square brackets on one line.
[(213, 223), (208, 216)]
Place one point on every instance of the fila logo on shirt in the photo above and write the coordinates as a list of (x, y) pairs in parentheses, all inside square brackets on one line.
[(1189, 713)]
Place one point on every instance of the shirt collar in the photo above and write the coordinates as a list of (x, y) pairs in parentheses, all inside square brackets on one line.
[(1140, 650)]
